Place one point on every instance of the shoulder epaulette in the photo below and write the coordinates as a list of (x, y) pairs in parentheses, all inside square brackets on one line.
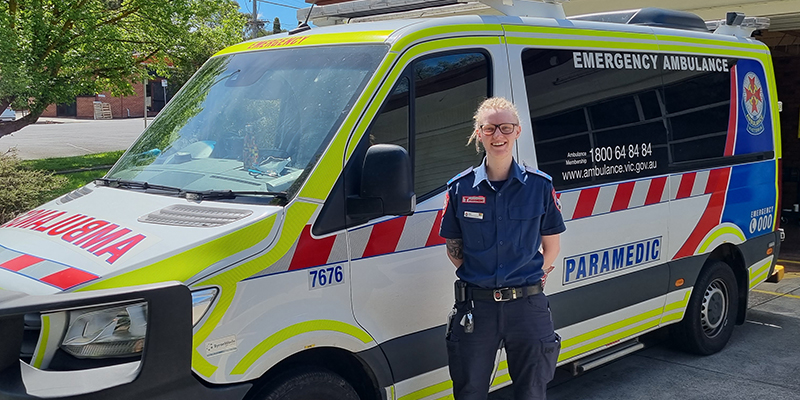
[(538, 172), (460, 175)]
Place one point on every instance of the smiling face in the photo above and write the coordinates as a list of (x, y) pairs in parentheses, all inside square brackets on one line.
[(498, 146)]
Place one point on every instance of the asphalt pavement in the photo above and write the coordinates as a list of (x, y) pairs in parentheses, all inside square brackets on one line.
[(761, 361), (63, 137)]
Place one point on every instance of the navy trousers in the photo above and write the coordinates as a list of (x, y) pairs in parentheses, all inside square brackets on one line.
[(524, 327)]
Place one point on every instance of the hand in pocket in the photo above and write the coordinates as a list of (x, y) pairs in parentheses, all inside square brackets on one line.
[(547, 271)]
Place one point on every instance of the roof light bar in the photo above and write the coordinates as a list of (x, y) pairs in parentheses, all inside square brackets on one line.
[(737, 24), (365, 10), (528, 8)]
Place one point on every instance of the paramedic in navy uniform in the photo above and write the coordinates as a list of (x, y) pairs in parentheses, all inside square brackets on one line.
[(496, 217)]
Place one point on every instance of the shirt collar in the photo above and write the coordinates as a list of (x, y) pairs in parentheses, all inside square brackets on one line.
[(516, 172)]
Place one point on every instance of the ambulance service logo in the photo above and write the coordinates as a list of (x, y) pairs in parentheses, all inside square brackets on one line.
[(753, 103)]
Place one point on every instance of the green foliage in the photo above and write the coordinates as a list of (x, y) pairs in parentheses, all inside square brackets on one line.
[(76, 162), (276, 26), (73, 180), (76, 180), (22, 189), (216, 24), (54, 50)]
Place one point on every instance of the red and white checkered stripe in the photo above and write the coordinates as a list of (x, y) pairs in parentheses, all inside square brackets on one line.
[(390, 236), (52, 273), (422, 229), (625, 195)]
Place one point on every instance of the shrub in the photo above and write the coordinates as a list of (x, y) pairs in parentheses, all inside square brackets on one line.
[(22, 189)]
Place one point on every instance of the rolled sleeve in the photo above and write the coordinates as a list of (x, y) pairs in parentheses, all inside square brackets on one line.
[(552, 222), (449, 228)]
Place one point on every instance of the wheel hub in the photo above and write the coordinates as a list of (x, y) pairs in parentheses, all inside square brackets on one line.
[(714, 308)]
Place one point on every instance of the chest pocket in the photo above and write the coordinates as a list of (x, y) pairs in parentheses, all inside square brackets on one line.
[(526, 222), (477, 227)]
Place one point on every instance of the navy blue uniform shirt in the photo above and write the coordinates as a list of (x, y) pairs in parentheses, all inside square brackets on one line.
[(501, 229)]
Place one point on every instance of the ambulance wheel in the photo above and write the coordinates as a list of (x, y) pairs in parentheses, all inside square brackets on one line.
[(711, 314), (309, 384)]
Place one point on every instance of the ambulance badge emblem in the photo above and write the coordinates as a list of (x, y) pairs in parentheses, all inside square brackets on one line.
[(753, 103)]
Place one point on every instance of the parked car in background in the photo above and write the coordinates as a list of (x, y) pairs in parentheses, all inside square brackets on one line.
[(8, 115)]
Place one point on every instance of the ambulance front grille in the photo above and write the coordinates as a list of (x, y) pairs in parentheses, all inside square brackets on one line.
[(75, 194), (194, 216)]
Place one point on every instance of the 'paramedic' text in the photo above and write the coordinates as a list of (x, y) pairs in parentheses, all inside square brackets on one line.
[(588, 265)]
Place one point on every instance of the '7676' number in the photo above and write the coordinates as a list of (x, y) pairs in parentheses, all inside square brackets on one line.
[(324, 277)]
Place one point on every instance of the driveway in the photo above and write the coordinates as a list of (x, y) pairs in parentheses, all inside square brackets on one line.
[(761, 361), (59, 137)]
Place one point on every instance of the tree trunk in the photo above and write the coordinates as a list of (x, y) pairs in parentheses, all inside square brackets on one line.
[(9, 127)]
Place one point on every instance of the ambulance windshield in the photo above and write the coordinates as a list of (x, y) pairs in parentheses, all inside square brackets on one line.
[(254, 122)]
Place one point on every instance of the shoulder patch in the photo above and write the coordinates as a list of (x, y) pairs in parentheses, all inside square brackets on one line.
[(538, 172), (460, 175)]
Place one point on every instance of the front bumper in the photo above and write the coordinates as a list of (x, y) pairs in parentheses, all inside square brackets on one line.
[(165, 370)]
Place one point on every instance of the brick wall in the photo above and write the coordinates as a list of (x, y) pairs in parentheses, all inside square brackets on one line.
[(85, 107), (133, 103), (50, 111), (121, 106)]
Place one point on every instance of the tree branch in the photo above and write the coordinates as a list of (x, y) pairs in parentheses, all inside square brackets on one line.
[(118, 17), (12, 11), (5, 102)]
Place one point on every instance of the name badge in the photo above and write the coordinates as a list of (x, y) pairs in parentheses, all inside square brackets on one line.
[(476, 215), (473, 199)]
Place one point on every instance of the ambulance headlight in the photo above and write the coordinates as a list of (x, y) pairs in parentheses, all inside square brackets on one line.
[(110, 332), (201, 302)]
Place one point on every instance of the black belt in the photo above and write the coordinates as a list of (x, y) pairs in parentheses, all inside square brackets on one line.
[(504, 294)]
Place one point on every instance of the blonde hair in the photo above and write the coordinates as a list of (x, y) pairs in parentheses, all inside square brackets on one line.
[(490, 104)]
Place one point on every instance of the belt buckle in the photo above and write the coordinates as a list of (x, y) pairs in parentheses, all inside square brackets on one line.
[(497, 294)]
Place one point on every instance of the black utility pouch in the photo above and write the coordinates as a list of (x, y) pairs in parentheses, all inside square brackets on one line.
[(460, 290)]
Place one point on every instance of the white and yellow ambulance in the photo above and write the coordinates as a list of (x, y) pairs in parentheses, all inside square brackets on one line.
[(274, 233)]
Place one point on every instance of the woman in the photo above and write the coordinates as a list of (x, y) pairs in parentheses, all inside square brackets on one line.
[(496, 218)]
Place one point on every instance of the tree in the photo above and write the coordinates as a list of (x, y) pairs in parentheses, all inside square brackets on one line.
[(216, 24), (276, 26), (55, 50)]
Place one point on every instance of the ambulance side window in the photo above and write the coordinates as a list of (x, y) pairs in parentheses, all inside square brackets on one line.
[(593, 124), (697, 107), (718, 117), (446, 89), (429, 113), (391, 126)]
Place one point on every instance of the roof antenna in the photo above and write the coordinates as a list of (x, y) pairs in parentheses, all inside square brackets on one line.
[(304, 26)]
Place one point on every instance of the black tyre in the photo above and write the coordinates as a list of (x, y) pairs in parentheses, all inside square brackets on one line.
[(711, 314), (308, 384)]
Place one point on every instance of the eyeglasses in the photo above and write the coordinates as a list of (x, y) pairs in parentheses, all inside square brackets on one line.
[(505, 129)]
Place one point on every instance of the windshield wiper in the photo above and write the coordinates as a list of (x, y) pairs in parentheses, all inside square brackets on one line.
[(228, 194), (128, 184), (195, 195)]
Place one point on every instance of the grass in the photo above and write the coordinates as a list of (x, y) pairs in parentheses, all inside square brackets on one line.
[(69, 163), (80, 178)]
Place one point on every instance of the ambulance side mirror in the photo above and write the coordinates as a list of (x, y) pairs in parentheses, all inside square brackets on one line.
[(387, 184)]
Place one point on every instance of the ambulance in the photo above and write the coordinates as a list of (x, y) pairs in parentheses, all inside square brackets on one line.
[(274, 233)]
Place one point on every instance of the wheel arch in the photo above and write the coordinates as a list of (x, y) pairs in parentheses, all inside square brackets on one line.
[(354, 368), (731, 255)]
